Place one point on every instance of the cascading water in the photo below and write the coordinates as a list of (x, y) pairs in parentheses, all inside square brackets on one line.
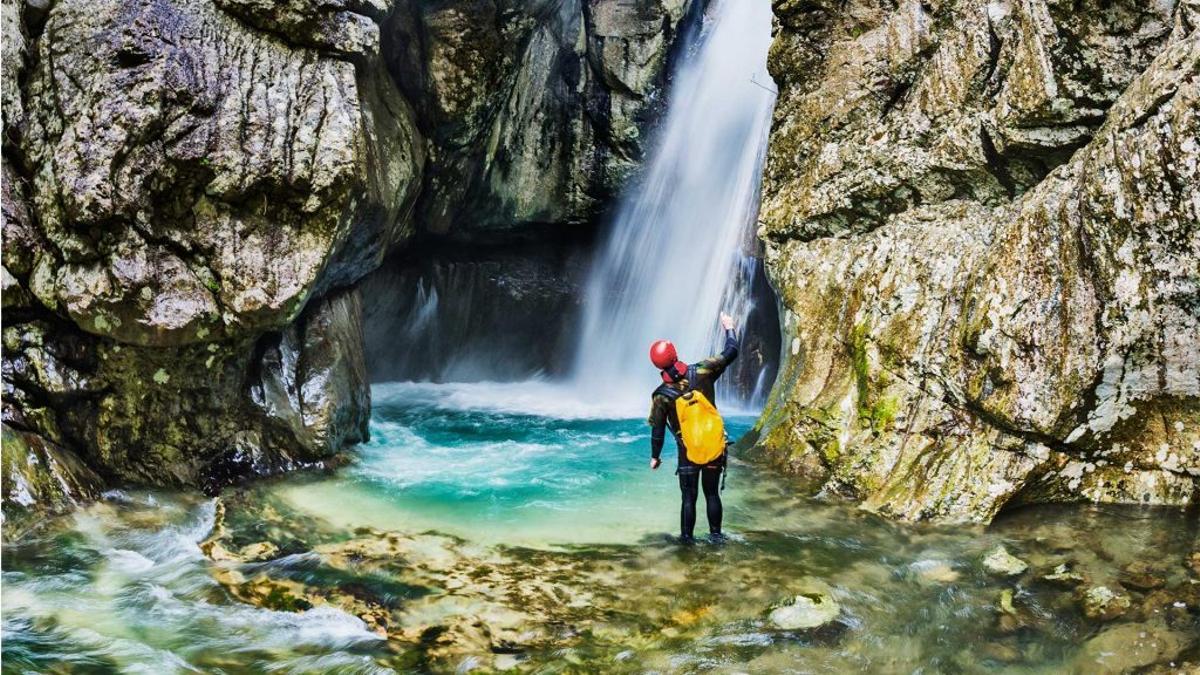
[(676, 254)]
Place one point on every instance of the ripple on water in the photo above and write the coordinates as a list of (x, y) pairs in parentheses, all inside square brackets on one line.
[(513, 539)]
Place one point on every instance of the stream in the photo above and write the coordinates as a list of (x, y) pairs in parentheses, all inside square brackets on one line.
[(497, 527)]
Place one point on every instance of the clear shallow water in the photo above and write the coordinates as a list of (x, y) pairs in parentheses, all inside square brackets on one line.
[(479, 530), (515, 464)]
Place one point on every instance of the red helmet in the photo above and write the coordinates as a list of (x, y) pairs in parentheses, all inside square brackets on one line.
[(662, 354)]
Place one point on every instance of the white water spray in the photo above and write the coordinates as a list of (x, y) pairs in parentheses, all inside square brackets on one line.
[(674, 258)]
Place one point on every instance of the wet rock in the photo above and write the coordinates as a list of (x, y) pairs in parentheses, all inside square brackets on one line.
[(39, 475), (1163, 605), (269, 204), (1002, 563), (1193, 562), (258, 552), (1066, 575), (1127, 647), (1004, 652), (1172, 667), (1142, 576), (937, 571), (1187, 593), (534, 117), (948, 387), (1013, 616), (1102, 603), (814, 606)]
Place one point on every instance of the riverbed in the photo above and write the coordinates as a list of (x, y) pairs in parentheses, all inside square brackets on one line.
[(513, 527)]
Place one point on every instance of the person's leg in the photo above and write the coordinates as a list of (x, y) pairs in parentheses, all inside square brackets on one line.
[(689, 488), (711, 478)]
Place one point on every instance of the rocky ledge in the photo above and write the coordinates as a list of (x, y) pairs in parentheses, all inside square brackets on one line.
[(982, 224)]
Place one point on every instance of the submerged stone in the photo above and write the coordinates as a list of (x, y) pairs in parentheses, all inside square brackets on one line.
[(938, 571), (1065, 574), (1142, 576), (258, 552), (1129, 647), (1102, 603), (813, 607), (1003, 563)]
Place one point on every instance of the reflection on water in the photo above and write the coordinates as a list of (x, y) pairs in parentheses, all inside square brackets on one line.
[(473, 536)]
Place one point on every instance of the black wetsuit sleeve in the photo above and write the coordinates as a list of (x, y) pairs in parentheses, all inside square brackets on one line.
[(713, 366), (658, 425)]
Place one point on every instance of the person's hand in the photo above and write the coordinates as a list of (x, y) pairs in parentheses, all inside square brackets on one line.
[(726, 321), (655, 463)]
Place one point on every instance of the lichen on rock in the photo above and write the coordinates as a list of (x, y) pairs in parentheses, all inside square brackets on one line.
[(179, 186), (986, 254)]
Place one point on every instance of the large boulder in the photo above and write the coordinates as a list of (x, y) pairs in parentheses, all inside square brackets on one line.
[(980, 220), (192, 189), (186, 195)]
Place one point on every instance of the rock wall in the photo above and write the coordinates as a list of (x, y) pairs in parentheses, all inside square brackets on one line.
[(493, 313), (536, 110), (982, 222), (192, 190), (184, 194)]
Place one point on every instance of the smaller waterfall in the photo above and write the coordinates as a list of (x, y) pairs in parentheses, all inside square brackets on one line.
[(678, 253)]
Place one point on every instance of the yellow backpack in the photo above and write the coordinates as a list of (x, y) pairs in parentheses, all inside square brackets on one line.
[(701, 426)]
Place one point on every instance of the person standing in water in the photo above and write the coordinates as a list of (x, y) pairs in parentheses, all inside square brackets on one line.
[(678, 379)]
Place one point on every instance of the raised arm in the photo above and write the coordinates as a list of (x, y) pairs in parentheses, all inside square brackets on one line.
[(715, 365)]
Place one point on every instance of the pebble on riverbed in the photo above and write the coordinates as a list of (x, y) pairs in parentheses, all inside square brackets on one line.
[(1000, 562), (937, 571), (1102, 603)]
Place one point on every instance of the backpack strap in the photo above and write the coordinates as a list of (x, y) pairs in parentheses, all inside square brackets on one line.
[(668, 392)]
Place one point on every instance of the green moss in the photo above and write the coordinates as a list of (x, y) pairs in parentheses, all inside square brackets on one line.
[(876, 410), (883, 412), (279, 599), (860, 363)]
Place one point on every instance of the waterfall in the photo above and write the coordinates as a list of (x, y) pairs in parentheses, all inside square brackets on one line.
[(677, 253)]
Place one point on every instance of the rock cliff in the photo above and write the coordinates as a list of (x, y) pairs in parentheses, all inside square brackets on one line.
[(193, 189), (982, 222)]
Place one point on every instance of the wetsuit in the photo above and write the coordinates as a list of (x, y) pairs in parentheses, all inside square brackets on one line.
[(701, 376)]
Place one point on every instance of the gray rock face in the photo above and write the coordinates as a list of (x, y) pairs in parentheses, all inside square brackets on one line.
[(493, 314), (980, 219), (191, 186), (535, 110), (183, 195)]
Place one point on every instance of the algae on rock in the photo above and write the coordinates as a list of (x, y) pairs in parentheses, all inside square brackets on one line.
[(980, 219)]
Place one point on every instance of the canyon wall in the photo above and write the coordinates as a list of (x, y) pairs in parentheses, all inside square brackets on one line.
[(981, 219), (193, 189)]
